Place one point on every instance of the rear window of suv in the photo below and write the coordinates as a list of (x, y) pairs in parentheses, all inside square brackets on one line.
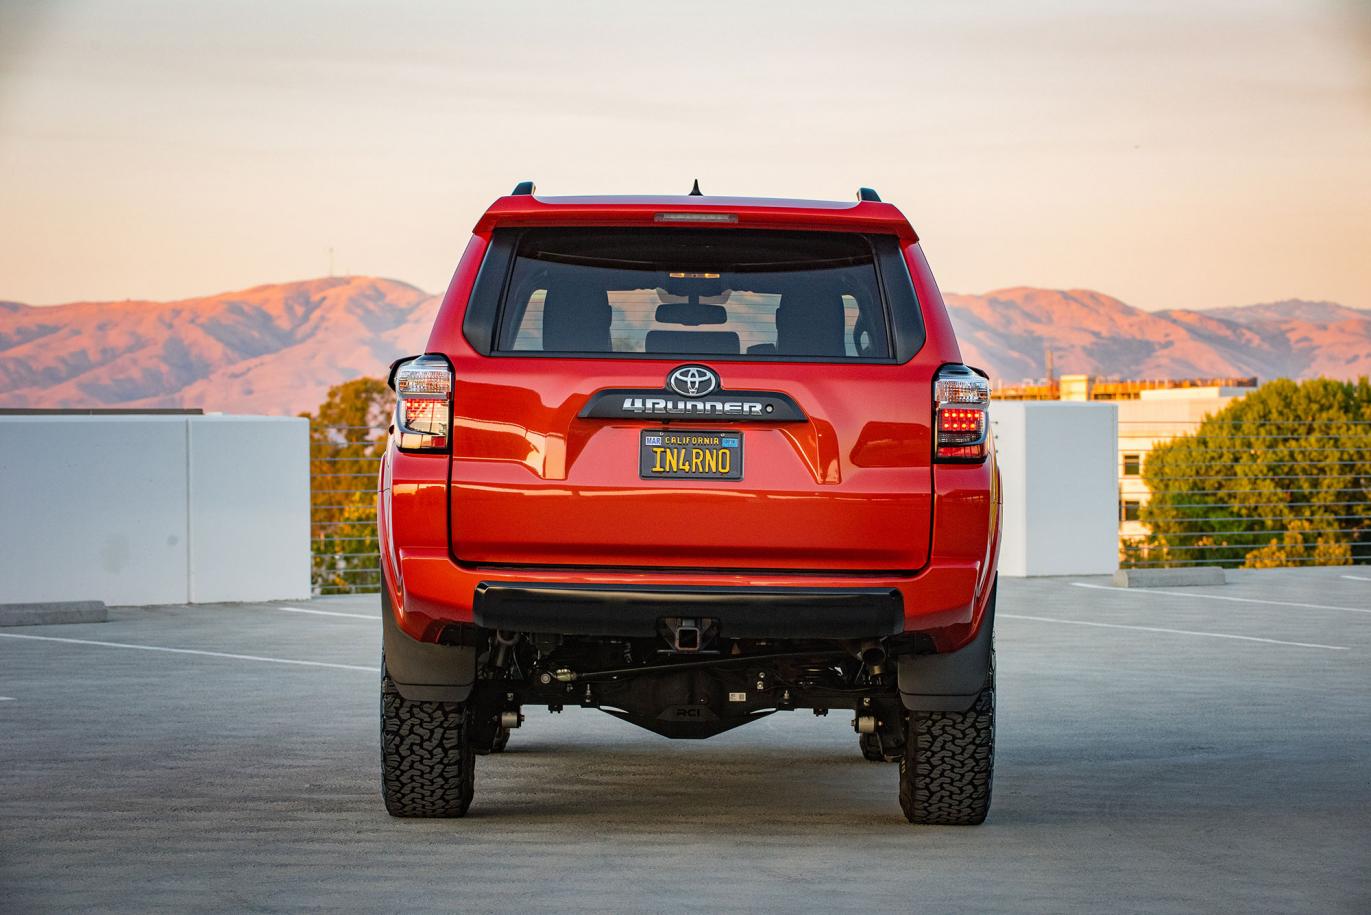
[(695, 292)]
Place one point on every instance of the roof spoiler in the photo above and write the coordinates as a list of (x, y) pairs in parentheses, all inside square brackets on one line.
[(526, 189)]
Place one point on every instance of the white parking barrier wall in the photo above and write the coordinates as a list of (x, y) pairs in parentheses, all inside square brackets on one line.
[(136, 509), (1058, 463)]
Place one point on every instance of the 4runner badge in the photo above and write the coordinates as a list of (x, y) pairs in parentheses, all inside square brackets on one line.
[(692, 392), (693, 381)]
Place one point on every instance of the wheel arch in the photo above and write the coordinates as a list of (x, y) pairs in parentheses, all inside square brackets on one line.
[(423, 671), (950, 682)]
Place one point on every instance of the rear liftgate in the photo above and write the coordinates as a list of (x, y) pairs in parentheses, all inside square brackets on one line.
[(692, 399)]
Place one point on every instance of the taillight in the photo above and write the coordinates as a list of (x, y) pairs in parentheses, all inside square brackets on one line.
[(423, 403), (961, 400)]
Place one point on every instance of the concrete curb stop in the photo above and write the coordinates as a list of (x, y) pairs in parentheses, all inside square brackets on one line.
[(52, 614), (1169, 578)]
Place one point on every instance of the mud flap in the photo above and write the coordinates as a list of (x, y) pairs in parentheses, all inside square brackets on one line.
[(423, 671), (949, 682)]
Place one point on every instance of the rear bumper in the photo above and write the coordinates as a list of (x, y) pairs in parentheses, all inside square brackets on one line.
[(636, 611), (430, 590)]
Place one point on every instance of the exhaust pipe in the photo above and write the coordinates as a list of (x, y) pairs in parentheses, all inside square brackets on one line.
[(872, 654), (503, 642)]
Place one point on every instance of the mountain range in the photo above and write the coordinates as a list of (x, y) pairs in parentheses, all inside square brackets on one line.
[(277, 348)]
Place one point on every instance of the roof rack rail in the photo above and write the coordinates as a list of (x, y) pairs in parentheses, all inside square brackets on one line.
[(522, 189), (866, 193)]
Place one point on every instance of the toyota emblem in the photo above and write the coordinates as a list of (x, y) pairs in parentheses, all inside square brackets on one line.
[(693, 381)]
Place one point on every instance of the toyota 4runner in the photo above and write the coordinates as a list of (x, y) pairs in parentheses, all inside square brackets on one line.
[(690, 461)]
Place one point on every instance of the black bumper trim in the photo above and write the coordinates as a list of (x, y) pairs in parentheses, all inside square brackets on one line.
[(742, 612)]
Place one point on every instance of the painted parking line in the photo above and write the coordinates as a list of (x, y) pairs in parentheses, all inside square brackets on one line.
[(1208, 635), (8, 699), (351, 616), (1355, 577), (1238, 600), (193, 651)]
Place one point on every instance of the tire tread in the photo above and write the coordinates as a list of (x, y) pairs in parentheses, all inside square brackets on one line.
[(427, 764), (948, 766)]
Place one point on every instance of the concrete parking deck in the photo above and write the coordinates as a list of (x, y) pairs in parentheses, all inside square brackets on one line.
[(1159, 750)]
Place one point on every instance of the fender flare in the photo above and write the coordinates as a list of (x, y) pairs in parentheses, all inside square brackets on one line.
[(423, 671), (950, 682)]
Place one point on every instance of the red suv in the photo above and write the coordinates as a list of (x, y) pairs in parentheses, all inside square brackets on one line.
[(690, 461)]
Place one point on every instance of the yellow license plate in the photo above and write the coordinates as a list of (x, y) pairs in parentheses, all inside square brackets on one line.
[(670, 454)]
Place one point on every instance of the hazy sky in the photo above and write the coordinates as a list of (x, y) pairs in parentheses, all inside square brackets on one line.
[(1174, 154)]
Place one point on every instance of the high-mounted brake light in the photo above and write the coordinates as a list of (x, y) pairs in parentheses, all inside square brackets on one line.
[(695, 217), (961, 402), (423, 403)]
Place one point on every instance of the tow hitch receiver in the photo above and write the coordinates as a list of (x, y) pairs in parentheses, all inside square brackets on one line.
[(689, 635)]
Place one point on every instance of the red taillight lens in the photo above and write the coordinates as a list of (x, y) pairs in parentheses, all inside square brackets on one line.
[(423, 405), (962, 420), (952, 419), (424, 414)]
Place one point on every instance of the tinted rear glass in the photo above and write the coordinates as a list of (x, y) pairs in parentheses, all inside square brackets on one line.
[(695, 292)]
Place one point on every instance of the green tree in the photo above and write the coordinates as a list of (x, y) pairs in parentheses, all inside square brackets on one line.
[(1293, 549), (1280, 477), (347, 436)]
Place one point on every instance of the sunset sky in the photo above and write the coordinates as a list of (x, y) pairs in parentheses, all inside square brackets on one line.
[(1173, 154)]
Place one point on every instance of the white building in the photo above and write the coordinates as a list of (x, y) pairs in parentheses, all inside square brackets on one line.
[(1157, 416)]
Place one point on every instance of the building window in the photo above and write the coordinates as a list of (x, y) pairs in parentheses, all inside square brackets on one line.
[(1129, 509), (1132, 464)]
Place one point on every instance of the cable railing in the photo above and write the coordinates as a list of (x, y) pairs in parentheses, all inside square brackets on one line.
[(1213, 493), (343, 464)]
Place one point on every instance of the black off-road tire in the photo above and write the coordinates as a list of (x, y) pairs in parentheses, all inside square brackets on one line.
[(427, 764), (945, 775), (874, 751), (498, 742), (501, 740)]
